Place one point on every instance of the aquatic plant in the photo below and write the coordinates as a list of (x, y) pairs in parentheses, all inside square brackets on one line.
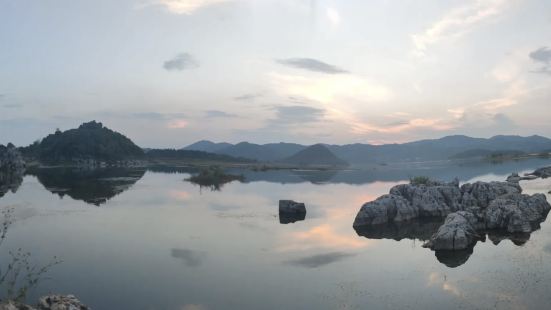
[(214, 178), (419, 180), (19, 275)]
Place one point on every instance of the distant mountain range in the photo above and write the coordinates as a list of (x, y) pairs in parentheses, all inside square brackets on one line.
[(450, 147), (315, 155)]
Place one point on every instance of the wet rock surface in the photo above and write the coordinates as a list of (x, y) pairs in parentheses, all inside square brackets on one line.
[(50, 302), (544, 173), (472, 211), (12, 168), (60, 302)]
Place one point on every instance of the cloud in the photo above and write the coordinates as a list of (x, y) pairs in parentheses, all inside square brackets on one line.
[(333, 16), (181, 62), (542, 56), (320, 260), (297, 114), (503, 121), (435, 124), (458, 22), (248, 97), (219, 114), (177, 124), (191, 258), (330, 88), (310, 64), (186, 7), (11, 105)]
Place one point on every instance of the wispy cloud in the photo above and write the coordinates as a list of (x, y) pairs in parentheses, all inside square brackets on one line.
[(181, 62), (334, 16), (186, 7), (542, 56), (329, 88), (297, 114), (458, 22), (311, 64), (248, 97), (178, 124), (219, 114)]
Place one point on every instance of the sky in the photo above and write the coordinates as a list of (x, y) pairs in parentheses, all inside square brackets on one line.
[(167, 73)]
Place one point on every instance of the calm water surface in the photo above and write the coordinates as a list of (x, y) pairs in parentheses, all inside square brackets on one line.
[(135, 239)]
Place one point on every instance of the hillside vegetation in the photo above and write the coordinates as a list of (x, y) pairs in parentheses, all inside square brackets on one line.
[(90, 141)]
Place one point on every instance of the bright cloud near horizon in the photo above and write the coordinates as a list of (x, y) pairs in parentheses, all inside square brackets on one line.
[(167, 73)]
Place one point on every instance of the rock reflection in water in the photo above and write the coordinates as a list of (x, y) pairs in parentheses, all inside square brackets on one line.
[(453, 258), (422, 229), (289, 218), (93, 186)]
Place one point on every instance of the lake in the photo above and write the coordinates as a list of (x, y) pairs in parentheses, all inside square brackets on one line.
[(147, 239)]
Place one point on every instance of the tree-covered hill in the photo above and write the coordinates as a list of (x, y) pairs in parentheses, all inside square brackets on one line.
[(90, 141)]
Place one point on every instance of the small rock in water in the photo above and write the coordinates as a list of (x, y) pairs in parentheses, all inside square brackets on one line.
[(60, 302), (290, 206)]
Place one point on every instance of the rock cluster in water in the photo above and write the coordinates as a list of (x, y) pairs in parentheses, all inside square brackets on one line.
[(12, 167), (50, 302), (470, 210)]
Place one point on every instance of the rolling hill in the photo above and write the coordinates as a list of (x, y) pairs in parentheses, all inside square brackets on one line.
[(315, 155)]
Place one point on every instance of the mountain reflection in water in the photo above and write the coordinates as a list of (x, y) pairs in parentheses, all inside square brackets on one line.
[(167, 244), (93, 186)]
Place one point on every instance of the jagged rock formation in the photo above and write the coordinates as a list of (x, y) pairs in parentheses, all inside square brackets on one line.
[(50, 302), (12, 167), (541, 173), (471, 210)]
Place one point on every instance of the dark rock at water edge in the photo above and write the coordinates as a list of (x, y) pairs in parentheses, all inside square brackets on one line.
[(50, 302), (544, 172), (12, 168), (10, 159)]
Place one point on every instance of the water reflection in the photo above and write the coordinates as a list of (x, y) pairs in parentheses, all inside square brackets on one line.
[(189, 257), (167, 246), (420, 229), (423, 229), (10, 181), (319, 260), (445, 170), (93, 186), (289, 218)]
